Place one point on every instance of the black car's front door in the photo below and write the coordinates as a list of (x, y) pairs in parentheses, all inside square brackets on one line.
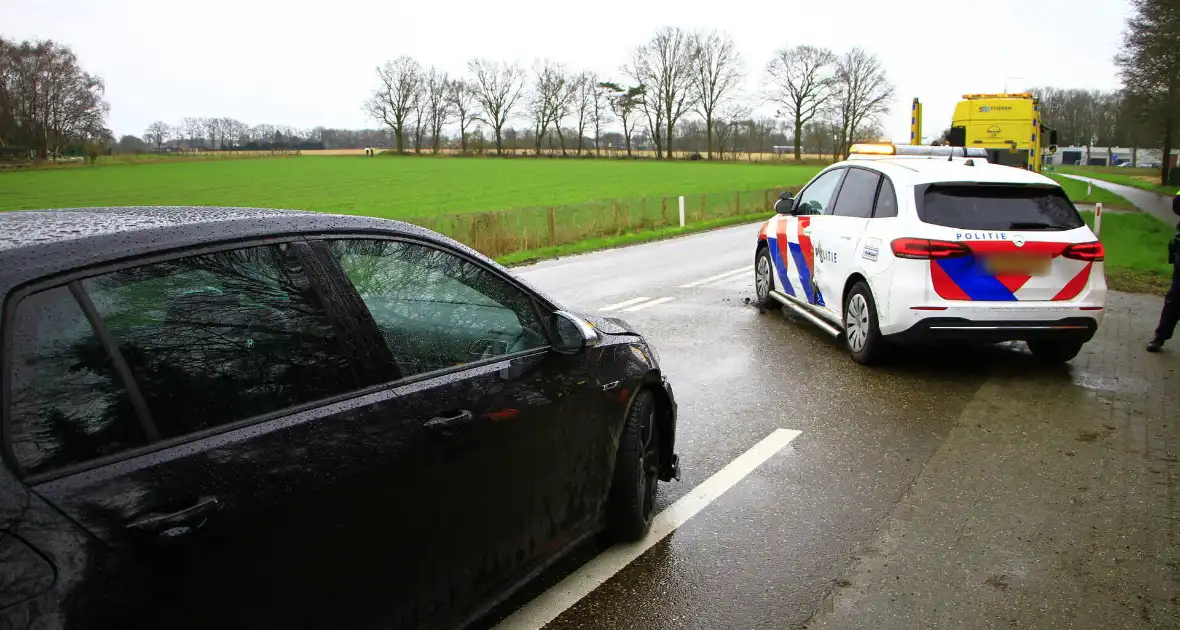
[(200, 416), (515, 434)]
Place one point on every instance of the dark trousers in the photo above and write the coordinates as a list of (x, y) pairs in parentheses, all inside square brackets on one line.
[(1171, 314)]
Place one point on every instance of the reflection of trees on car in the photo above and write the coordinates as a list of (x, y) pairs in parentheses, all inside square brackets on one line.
[(435, 309)]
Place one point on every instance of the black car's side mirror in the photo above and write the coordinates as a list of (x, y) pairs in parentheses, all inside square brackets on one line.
[(785, 195), (573, 333)]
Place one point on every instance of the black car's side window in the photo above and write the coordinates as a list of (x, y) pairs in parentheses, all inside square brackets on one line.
[(221, 337), (434, 309), (67, 405), (886, 200)]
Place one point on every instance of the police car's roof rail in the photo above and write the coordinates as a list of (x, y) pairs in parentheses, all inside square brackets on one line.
[(918, 150)]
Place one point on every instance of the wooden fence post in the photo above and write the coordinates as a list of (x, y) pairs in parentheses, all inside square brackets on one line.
[(737, 202), (552, 229), (703, 208), (664, 208), (766, 199), (614, 211)]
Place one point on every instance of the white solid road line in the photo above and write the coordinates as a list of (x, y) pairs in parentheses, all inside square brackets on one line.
[(651, 303), (626, 303), (718, 277), (548, 605)]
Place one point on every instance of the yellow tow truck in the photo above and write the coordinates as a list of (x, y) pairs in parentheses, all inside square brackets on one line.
[(1007, 126)]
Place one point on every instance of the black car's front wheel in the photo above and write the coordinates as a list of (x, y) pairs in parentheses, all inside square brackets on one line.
[(633, 491)]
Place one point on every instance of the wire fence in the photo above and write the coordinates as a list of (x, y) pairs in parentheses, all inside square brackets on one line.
[(509, 231)]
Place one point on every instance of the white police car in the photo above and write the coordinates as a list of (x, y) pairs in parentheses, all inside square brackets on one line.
[(907, 243)]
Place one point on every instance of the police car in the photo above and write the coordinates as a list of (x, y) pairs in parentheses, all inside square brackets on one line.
[(909, 244)]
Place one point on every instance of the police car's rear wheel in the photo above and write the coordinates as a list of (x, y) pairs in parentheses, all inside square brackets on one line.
[(862, 335), (764, 279), (1054, 350)]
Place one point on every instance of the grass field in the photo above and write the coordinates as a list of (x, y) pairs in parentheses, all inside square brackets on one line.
[(1136, 251), (392, 187), (1145, 178)]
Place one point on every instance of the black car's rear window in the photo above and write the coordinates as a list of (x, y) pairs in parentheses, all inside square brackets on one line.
[(997, 207)]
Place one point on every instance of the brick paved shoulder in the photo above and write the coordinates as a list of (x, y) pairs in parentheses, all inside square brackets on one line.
[(1052, 504)]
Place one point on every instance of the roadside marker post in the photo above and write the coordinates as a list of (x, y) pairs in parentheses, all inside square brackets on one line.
[(682, 211), (1089, 188), (1097, 219)]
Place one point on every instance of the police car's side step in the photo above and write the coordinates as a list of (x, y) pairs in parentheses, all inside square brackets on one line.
[(806, 311)]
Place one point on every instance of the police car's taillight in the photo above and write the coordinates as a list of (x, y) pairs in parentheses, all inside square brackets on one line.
[(1088, 252), (926, 249)]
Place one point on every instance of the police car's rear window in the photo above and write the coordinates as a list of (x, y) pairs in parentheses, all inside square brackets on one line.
[(992, 207)]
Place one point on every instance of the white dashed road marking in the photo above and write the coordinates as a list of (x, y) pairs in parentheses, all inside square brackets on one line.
[(647, 304), (613, 307), (726, 275), (548, 605)]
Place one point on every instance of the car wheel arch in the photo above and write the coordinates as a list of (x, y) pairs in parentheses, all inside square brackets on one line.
[(850, 282), (665, 418)]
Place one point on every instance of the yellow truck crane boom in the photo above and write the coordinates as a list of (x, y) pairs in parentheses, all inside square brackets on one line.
[(1007, 126)]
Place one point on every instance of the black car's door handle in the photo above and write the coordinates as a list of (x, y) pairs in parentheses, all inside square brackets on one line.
[(180, 522), (454, 423)]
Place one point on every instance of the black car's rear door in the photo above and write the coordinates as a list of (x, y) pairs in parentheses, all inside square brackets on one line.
[(517, 437), (201, 415)]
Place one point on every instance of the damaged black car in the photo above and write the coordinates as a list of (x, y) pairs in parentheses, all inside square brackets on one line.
[(228, 417)]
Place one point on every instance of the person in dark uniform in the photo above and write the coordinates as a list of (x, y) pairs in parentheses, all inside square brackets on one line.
[(1171, 314)]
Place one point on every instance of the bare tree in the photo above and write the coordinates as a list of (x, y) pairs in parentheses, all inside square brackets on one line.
[(192, 128), (862, 93), (497, 87), (729, 120), (585, 90), (462, 99), (562, 105), (1149, 66), (438, 107), (157, 133), (396, 97), (420, 120), (715, 78), (664, 66), (800, 80), (212, 129), (625, 102), (548, 83), (601, 107)]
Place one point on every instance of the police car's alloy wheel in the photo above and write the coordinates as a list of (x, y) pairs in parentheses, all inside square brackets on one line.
[(764, 279), (862, 335)]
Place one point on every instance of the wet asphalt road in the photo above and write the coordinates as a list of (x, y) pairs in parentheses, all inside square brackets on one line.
[(765, 554)]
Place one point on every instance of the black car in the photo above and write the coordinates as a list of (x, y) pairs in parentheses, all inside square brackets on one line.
[(248, 418)]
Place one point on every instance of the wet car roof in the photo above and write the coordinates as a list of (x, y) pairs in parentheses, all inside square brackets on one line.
[(39, 243)]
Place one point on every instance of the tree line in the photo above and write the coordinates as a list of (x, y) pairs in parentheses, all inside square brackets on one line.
[(48, 102), (1149, 66), (679, 89)]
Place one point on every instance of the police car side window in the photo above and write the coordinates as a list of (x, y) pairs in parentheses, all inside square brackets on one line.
[(856, 194), (817, 197), (886, 200)]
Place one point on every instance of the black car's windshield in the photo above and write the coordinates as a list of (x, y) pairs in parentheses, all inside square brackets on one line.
[(997, 207)]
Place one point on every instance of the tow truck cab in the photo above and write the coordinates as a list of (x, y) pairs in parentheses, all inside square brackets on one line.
[(1007, 126)]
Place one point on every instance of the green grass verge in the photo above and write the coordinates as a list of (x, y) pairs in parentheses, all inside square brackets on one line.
[(1142, 178), (1076, 191), (1136, 252), (400, 187), (629, 238)]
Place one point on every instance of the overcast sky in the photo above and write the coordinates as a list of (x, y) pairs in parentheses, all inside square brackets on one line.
[(306, 63)]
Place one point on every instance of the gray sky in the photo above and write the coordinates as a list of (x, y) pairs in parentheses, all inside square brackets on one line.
[(306, 63)]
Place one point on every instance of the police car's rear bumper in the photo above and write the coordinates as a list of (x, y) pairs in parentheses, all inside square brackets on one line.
[(957, 328)]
